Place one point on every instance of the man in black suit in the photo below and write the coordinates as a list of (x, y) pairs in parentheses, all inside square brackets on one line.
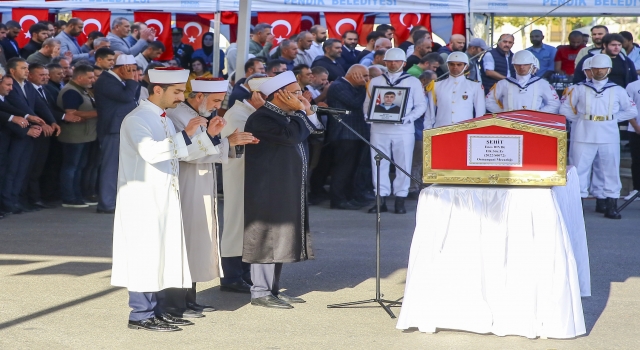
[(38, 75), (349, 55), (115, 92), (23, 97), (12, 122), (50, 179), (9, 44)]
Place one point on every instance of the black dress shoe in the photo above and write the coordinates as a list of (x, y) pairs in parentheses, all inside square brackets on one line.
[(350, 205), (236, 287), (383, 207), (612, 209), (248, 281), (400, 209), (153, 324), (290, 299), (105, 211), (201, 308), (601, 205), (271, 302), (317, 198), (17, 210), (42, 205), (186, 313), (168, 319)]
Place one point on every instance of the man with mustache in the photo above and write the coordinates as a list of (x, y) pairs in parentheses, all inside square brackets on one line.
[(149, 249)]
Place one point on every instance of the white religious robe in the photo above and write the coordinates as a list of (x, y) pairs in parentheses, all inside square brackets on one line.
[(233, 185), (198, 196), (525, 92), (149, 250)]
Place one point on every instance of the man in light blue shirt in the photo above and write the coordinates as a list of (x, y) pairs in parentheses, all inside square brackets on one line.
[(543, 52)]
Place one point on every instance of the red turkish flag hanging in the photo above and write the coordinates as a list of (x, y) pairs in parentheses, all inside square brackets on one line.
[(459, 25), (194, 27), (309, 20), (404, 22), (27, 18), (161, 22), (283, 24), (367, 27), (93, 20), (339, 23)]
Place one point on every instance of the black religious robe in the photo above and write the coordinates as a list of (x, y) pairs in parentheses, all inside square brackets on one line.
[(276, 222)]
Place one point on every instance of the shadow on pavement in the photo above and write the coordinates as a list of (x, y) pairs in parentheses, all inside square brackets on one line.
[(613, 256)]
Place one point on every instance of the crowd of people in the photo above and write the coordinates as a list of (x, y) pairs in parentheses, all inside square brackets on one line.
[(78, 167), (107, 124)]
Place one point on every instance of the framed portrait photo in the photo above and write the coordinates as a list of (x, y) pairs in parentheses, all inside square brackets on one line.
[(388, 104)]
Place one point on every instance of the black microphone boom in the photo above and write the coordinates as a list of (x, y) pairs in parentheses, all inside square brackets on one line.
[(329, 110)]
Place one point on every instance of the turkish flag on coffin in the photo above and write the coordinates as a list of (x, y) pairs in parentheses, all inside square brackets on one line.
[(404, 22), (93, 20), (339, 23), (161, 22), (283, 24), (194, 27), (27, 18)]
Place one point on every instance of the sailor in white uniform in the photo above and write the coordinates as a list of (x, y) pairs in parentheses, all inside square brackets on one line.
[(456, 98), (525, 91), (397, 139), (595, 108)]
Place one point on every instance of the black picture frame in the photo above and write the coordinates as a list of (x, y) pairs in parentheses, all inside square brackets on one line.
[(392, 115)]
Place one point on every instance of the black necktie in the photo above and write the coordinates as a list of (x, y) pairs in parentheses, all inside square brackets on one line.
[(42, 93)]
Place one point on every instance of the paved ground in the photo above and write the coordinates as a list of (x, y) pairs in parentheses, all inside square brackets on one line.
[(55, 292)]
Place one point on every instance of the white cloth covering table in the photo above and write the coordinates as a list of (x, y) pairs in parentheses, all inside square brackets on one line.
[(501, 260)]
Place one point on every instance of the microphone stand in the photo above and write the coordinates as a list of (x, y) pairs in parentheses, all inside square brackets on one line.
[(378, 157), (629, 201)]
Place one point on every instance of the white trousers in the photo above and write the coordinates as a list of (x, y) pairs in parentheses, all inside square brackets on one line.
[(400, 148), (597, 180), (582, 156)]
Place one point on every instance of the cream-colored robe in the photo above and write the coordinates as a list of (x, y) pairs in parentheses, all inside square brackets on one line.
[(233, 185), (149, 250), (198, 191)]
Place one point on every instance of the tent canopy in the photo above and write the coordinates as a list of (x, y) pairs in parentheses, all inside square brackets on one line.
[(190, 6), (531, 8), (384, 6)]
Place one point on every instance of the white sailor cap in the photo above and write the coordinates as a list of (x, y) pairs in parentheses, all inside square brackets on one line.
[(209, 85), (278, 82), (125, 59), (168, 75)]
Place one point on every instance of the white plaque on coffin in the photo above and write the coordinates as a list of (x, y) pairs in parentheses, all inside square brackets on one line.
[(494, 150)]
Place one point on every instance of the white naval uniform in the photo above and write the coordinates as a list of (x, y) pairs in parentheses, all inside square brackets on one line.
[(454, 100), (595, 109), (198, 197), (523, 92), (149, 250), (396, 139)]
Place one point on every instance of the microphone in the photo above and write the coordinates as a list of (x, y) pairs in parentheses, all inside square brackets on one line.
[(329, 110)]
